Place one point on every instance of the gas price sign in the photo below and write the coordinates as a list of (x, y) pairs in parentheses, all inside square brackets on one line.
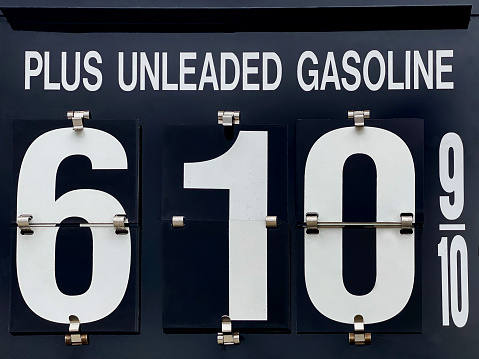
[(179, 185)]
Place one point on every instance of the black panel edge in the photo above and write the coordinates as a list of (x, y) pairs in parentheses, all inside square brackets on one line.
[(273, 19)]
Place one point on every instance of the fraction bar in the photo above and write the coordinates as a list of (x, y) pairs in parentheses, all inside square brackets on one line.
[(452, 227)]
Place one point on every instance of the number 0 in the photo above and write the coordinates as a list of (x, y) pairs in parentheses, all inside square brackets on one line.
[(323, 251)]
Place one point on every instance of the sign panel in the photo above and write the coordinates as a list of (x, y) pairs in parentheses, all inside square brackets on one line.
[(359, 181), (69, 259), (225, 261)]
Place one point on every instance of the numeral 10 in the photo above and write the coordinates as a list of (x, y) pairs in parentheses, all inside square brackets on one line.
[(451, 208)]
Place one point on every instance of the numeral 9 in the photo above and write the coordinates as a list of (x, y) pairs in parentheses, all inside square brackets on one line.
[(454, 184)]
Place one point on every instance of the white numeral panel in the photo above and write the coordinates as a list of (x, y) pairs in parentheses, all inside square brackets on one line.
[(243, 170), (394, 252), (35, 255)]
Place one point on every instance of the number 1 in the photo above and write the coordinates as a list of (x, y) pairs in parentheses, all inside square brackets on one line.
[(243, 170)]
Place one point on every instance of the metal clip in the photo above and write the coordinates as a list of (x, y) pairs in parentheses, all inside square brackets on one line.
[(406, 223), (271, 221), (77, 118), (178, 221), (359, 337), (358, 117), (23, 223), (228, 118), (312, 223), (119, 221), (74, 337), (227, 336)]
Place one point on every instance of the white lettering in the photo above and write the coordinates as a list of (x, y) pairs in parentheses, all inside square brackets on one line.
[(407, 71), (440, 68), (153, 75), (391, 84), (134, 70), (29, 72), (184, 70), (164, 78), (279, 71), (382, 70), (418, 65), (312, 73), (47, 85), (351, 71), (76, 82), (211, 78), (231, 57), (334, 78), (249, 70), (92, 71)]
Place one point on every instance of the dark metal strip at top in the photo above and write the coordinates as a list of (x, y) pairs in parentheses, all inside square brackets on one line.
[(239, 19), (184, 4)]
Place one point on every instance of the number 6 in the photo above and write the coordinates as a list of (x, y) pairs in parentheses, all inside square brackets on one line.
[(36, 253)]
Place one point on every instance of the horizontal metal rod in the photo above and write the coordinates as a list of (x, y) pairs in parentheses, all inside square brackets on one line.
[(358, 224), (87, 225)]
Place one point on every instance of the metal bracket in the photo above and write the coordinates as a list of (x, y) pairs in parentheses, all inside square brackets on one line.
[(227, 336), (74, 337), (228, 118), (358, 117), (178, 221), (77, 118), (359, 337), (406, 223), (271, 221), (23, 223), (312, 223), (119, 221)]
